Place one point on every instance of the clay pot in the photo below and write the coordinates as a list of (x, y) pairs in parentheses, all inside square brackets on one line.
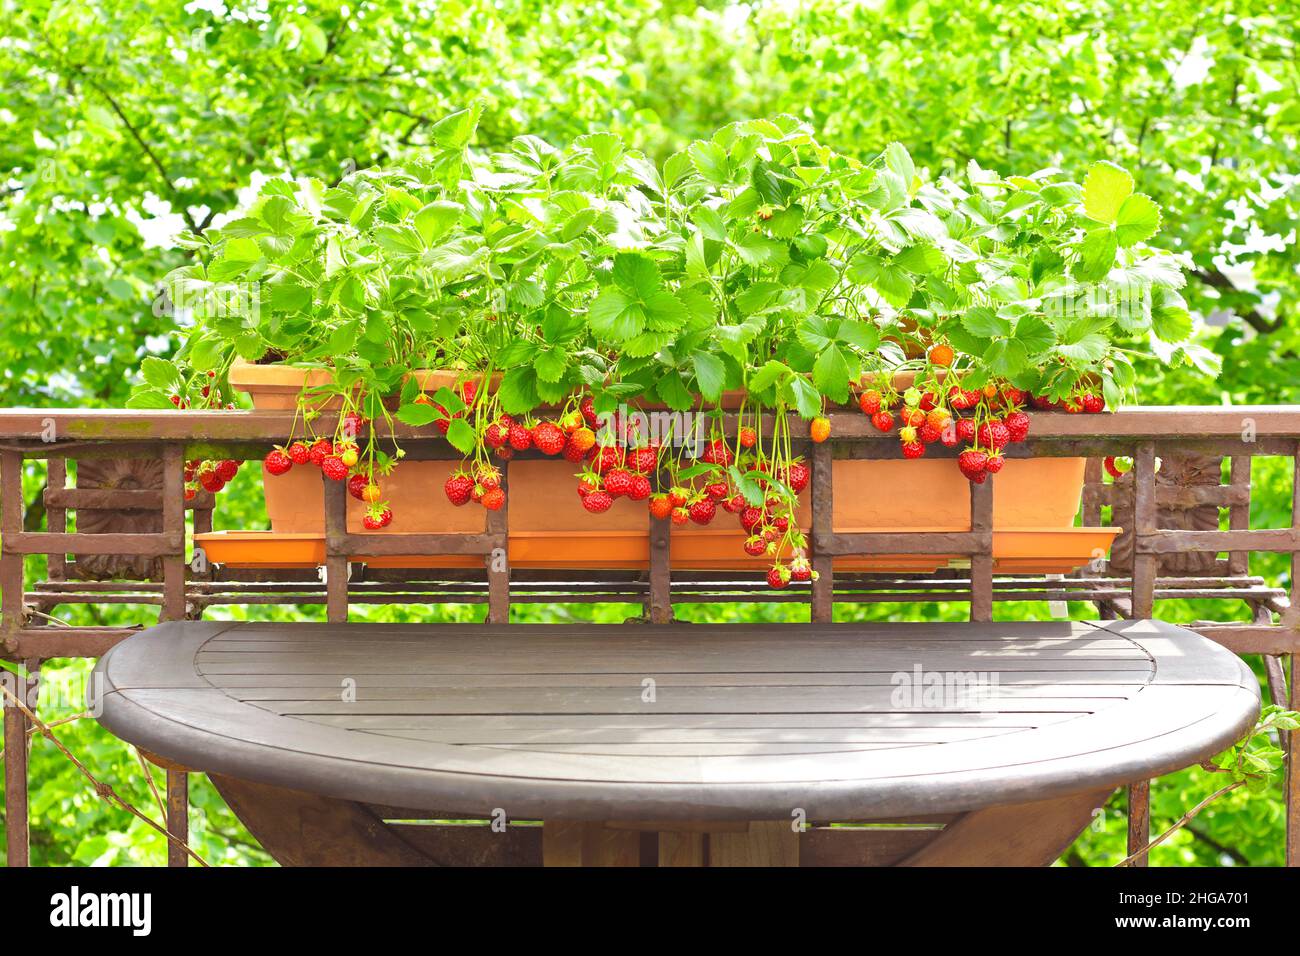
[(550, 529)]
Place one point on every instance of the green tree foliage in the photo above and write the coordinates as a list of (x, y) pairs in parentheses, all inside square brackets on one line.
[(119, 111)]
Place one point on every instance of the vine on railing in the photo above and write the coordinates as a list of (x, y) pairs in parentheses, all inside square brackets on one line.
[(1252, 762)]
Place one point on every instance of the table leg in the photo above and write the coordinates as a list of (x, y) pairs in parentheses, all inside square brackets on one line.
[(1022, 834), (586, 843), (764, 843)]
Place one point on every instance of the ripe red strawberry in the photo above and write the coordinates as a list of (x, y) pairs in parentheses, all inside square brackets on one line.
[(1118, 466), (357, 484), (211, 481), (755, 546), (747, 437), (352, 423), (882, 420), (929, 433), (520, 438), (928, 401), (1093, 404), (994, 464), (299, 453), (468, 390), (913, 449), (618, 482), (548, 438), (781, 524), (478, 492), (1017, 426), (735, 504), (277, 462), (797, 476), (489, 476), (505, 453), (703, 510), (640, 489), (190, 492), (750, 518), (496, 434), (494, 499), (644, 460), (587, 484), (607, 457), (962, 398), (227, 469), (993, 434), (972, 462), (716, 453), (717, 490), (778, 576), (680, 516), (869, 401), (588, 409), (800, 570), (458, 488), (966, 430), (333, 468), (377, 518), (912, 416), (1012, 395), (320, 449), (678, 496), (820, 429), (660, 506)]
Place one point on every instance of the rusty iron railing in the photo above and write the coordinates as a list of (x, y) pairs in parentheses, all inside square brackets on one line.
[(1169, 550)]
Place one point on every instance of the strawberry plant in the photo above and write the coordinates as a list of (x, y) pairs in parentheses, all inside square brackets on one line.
[(568, 289)]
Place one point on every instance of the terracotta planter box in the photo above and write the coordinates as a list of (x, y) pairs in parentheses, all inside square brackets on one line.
[(1036, 498)]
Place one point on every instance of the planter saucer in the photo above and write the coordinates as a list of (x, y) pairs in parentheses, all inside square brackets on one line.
[(1015, 551)]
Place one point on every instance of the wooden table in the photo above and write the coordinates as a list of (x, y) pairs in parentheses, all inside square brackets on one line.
[(679, 744)]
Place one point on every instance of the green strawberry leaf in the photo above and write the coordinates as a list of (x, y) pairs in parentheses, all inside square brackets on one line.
[(1096, 255), (417, 415), (1104, 190), (518, 391), (985, 323), (831, 374), (767, 376), (615, 316), (710, 375), (1170, 319), (1137, 221), (461, 436)]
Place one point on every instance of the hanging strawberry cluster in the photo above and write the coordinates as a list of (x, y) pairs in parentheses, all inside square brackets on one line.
[(189, 389), (983, 421), (341, 458)]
